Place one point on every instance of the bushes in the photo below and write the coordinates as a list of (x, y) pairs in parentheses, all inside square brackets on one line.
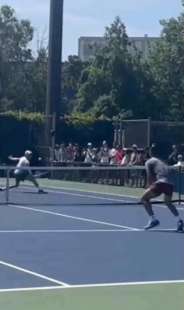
[(20, 131)]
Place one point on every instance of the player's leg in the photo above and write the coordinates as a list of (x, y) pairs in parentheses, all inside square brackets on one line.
[(17, 181), (30, 177), (146, 200), (174, 211)]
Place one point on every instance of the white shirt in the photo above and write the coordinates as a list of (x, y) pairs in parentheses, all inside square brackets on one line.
[(23, 162), (180, 163)]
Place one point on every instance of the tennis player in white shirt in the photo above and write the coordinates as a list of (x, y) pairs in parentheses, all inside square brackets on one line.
[(24, 174)]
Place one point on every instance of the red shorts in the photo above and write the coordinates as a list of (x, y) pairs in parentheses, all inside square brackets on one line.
[(162, 188)]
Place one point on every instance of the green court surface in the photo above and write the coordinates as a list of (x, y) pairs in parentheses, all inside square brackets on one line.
[(134, 297), (88, 187), (97, 188)]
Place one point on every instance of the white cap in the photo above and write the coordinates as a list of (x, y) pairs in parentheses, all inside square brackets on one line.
[(27, 153), (89, 144)]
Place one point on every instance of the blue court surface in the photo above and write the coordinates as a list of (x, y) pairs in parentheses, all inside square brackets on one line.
[(72, 238)]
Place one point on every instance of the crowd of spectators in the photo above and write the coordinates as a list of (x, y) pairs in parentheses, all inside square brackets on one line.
[(73, 154), (103, 155)]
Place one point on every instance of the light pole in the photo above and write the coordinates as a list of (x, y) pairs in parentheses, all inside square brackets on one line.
[(53, 101)]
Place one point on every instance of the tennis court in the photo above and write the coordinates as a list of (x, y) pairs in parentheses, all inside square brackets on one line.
[(83, 246)]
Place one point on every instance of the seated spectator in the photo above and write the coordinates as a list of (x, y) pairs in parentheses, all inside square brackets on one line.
[(172, 159)]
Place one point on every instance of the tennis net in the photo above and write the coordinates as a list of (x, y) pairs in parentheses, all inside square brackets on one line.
[(125, 181)]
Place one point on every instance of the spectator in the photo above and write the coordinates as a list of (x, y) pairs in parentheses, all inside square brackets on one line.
[(180, 162), (119, 154), (104, 153), (62, 153), (146, 154), (134, 158), (112, 155), (56, 153), (77, 153), (172, 159), (89, 154), (140, 157), (126, 158), (70, 153)]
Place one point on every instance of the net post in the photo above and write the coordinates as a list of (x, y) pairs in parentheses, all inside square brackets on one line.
[(7, 185), (149, 132), (179, 184)]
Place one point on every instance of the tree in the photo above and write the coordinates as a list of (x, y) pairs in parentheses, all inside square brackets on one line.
[(115, 80), (15, 55), (72, 70), (38, 81), (167, 69)]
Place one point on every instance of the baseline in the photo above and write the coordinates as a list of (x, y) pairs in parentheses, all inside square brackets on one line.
[(93, 286)]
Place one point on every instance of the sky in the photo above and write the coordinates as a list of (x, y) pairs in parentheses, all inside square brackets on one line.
[(90, 17)]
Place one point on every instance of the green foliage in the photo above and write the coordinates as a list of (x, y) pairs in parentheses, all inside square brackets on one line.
[(22, 116), (14, 36), (167, 69), (71, 75), (115, 81), (22, 78)]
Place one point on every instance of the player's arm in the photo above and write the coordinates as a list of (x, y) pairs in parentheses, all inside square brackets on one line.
[(149, 174), (13, 158)]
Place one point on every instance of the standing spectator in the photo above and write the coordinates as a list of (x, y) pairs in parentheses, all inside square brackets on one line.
[(146, 154), (180, 162), (119, 154), (141, 158), (62, 153), (89, 154), (104, 153), (77, 153), (112, 155), (126, 158), (134, 158), (172, 159), (70, 153), (56, 153)]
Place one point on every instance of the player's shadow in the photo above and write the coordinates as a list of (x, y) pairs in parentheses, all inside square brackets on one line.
[(168, 231)]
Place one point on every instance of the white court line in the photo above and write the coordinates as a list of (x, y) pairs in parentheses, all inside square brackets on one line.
[(92, 196), (85, 230), (72, 217), (123, 201), (62, 231), (38, 275), (123, 284), (42, 231)]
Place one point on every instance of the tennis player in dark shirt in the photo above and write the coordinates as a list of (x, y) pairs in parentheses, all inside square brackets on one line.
[(158, 183)]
